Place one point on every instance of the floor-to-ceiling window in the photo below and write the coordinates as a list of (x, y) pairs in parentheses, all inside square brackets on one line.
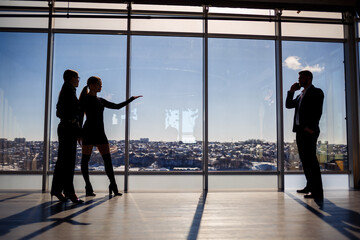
[(93, 55), (166, 124), (242, 110), (242, 100), (325, 61), (320, 49), (22, 97)]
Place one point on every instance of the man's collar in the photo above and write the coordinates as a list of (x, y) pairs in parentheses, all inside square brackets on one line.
[(305, 89), (70, 85)]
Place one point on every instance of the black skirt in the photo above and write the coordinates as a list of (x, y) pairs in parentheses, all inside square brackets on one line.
[(94, 137)]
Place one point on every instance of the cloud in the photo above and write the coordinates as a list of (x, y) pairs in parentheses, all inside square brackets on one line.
[(293, 62), (315, 68)]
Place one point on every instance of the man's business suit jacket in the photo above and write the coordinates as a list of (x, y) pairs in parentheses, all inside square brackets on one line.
[(310, 110)]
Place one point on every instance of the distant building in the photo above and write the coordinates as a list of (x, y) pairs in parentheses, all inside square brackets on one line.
[(19, 140), (144, 140)]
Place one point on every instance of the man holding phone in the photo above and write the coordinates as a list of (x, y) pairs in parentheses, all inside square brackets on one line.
[(308, 110)]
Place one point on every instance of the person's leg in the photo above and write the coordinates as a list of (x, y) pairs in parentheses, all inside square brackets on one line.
[(86, 153), (301, 144), (105, 153), (58, 178), (104, 150), (69, 167), (314, 166)]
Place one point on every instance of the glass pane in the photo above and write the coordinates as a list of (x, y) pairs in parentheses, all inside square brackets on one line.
[(310, 14), (242, 111), (241, 27), (312, 30), (93, 55), (24, 22), (22, 95), (167, 25), (172, 8), (90, 23), (249, 11), (166, 131), (24, 3), (325, 61), (88, 5)]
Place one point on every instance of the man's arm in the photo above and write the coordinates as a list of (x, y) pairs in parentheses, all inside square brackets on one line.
[(290, 102)]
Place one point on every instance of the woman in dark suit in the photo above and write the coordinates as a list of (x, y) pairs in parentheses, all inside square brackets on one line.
[(94, 133), (68, 110)]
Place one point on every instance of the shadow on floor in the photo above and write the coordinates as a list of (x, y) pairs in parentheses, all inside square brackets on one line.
[(343, 220), (195, 226), (43, 213), (14, 197)]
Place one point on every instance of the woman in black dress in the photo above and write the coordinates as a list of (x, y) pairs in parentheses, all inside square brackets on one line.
[(94, 133)]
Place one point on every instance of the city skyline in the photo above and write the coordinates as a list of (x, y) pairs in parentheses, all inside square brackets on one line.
[(146, 155)]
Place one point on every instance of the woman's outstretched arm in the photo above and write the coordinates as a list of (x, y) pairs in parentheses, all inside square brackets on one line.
[(112, 105)]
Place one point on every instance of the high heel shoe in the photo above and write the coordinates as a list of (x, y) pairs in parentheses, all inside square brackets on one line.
[(59, 196), (74, 198), (89, 192), (113, 188)]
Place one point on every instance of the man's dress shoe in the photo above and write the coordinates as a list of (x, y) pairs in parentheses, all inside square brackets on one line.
[(305, 190)]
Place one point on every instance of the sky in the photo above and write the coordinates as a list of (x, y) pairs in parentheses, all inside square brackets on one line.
[(167, 71)]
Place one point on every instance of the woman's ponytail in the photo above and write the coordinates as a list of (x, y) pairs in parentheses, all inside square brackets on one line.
[(83, 92)]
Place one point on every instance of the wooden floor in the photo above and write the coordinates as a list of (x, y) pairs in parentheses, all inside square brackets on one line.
[(215, 215)]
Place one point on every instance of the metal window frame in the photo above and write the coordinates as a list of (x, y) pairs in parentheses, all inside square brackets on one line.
[(351, 62), (128, 92), (48, 92), (205, 101), (279, 104)]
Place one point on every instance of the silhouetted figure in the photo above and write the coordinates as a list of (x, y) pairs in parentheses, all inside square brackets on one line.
[(308, 109), (68, 110), (94, 133)]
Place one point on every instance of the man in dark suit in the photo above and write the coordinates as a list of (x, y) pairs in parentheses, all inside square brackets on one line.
[(308, 109)]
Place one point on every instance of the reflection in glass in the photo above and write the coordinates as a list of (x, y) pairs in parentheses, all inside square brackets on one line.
[(166, 133), (242, 111), (22, 94), (325, 61), (93, 55)]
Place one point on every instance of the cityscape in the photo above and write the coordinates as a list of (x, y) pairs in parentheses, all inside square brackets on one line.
[(146, 155)]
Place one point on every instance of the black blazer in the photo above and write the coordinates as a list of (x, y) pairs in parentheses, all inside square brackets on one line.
[(310, 109), (68, 105)]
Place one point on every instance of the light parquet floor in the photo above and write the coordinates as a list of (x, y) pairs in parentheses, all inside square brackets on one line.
[(212, 215)]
